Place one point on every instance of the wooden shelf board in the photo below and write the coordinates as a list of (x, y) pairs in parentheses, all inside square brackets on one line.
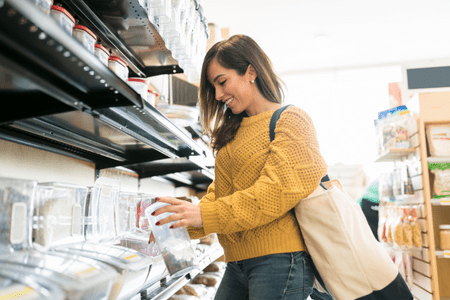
[(395, 154)]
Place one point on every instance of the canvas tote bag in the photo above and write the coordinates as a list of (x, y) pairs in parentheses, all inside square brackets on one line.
[(350, 262)]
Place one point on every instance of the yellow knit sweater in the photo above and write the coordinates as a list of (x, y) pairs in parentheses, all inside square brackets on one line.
[(257, 183)]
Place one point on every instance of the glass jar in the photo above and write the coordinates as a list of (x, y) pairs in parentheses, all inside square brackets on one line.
[(102, 54), (63, 18), (85, 36), (444, 232), (118, 66)]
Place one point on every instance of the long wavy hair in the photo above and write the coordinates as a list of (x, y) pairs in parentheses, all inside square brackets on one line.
[(237, 53)]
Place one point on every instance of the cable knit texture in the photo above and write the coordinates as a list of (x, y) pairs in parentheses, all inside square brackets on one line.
[(258, 182)]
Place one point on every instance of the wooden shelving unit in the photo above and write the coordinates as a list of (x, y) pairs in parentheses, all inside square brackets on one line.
[(434, 109), (395, 154)]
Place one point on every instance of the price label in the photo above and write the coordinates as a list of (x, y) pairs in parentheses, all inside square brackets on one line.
[(445, 201), (19, 292)]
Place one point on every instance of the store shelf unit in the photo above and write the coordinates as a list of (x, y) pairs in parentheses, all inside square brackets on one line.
[(423, 259), (434, 109), (170, 285), (62, 99)]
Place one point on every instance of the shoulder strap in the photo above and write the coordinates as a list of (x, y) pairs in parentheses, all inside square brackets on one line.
[(273, 123)]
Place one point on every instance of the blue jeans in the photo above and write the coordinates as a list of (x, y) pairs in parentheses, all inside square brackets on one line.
[(285, 276)]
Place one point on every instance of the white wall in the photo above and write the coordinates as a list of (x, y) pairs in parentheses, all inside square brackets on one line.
[(343, 105)]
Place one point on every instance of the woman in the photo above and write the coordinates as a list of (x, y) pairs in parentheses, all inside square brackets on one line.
[(257, 182)]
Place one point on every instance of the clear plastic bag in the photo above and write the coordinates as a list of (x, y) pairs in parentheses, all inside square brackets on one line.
[(438, 137), (441, 182)]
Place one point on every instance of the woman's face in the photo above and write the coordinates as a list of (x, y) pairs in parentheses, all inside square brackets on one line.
[(235, 90)]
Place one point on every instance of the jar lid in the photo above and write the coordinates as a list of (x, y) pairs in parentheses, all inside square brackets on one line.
[(153, 92), (64, 11), (98, 46), (118, 59), (137, 80), (445, 226), (84, 28)]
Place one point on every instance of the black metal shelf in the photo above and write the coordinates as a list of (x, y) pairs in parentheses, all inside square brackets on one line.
[(124, 27), (62, 99)]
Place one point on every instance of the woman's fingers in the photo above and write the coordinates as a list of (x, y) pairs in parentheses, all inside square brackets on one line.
[(184, 213)]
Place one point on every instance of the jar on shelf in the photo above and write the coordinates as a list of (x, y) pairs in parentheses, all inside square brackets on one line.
[(151, 97), (140, 85), (444, 234), (85, 36), (102, 54), (63, 18), (44, 5), (118, 66)]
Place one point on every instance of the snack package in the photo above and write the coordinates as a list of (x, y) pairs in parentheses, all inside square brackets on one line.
[(209, 279), (416, 232), (183, 297), (407, 229), (390, 220), (397, 231), (197, 290), (441, 182), (216, 266), (438, 137), (392, 131), (398, 260), (381, 230), (407, 262)]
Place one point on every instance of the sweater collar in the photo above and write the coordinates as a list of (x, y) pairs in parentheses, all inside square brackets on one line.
[(247, 121)]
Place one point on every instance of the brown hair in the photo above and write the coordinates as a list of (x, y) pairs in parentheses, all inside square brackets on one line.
[(237, 53)]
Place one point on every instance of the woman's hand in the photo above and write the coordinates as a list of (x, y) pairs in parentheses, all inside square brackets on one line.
[(185, 213)]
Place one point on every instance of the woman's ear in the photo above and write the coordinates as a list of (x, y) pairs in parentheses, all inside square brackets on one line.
[(251, 73)]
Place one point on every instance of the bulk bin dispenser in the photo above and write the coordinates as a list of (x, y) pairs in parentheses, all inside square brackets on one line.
[(131, 266), (174, 244), (75, 276)]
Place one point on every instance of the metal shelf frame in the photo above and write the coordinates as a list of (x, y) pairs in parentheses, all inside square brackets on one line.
[(62, 99)]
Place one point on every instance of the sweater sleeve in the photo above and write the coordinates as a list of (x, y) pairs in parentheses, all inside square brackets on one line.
[(292, 171), (199, 232)]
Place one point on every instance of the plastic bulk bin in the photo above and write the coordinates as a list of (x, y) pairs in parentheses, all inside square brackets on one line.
[(17, 198), (140, 85), (127, 213), (118, 66), (85, 36), (63, 18), (159, 12), (59, 213), (132, 266), (101, 206), (180, 115), (79, 277), (44, 5), (22, 284), (102, 54), (174, 244)]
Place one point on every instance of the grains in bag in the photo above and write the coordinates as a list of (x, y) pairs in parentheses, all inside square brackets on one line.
[(417, 235)]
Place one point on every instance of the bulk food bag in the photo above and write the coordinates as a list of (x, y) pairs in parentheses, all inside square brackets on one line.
[(438, 137)]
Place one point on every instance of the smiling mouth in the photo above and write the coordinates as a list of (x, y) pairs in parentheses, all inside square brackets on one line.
[(229, 100)]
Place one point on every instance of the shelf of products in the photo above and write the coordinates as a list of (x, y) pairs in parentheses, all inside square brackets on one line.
[(64, 100), (417, 260), (434, 110), (171, 285)]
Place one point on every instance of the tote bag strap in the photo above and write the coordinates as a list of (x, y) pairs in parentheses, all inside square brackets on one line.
[(273, 123)]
